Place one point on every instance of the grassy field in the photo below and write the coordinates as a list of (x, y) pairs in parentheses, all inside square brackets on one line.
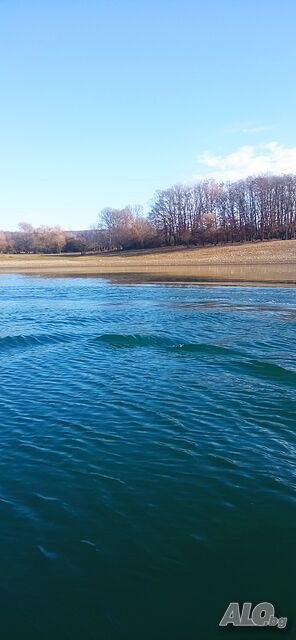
[(266, 263)]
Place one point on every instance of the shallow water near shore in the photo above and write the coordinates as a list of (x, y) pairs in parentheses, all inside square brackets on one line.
[(278, 275), (147, 458)]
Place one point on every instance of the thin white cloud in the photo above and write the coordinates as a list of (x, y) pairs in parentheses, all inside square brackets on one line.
[(247, 127), (248, 160), (251, 129)]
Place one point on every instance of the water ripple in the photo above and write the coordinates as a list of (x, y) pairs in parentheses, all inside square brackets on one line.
[(147, 456)]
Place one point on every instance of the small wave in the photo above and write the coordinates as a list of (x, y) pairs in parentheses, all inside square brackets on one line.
[(21, 341), (270, 371), (133, 340), (204, 347), (129, 341)]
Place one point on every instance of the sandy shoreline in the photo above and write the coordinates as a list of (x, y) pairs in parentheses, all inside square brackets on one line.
[(269, 263)]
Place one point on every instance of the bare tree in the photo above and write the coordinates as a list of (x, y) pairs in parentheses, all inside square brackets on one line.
[(26, 239), (125, 229), (3, 242), (50, 239)]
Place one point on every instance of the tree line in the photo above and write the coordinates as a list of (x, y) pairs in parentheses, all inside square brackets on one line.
[(45, 239), (256, 208), (29, 240), (207, 212)]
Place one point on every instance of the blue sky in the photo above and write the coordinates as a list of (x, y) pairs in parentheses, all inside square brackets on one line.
[(103, 102)]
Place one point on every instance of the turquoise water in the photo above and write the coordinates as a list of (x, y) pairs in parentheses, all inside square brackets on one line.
[(147, 458)]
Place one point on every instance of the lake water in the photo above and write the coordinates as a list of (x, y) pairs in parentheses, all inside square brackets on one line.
[(147, 458)]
